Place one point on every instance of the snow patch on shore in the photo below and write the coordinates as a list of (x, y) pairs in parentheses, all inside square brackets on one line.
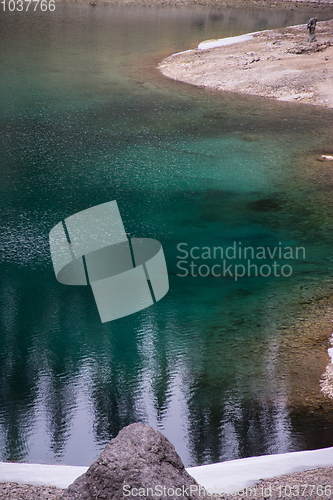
[(230, 476), (211, 44), (330, 350), (182, 52), (237, 475), (326, 383), (60, 476)]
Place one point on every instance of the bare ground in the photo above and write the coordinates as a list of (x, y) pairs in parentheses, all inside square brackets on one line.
[(279, 63), (309, 485)]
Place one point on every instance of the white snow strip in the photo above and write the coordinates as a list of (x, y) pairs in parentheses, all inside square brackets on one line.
[(236, 475), (211, 44), (60, 476), (220, 42), (182, 52), (330, 353), (230, 477), (330, 350)]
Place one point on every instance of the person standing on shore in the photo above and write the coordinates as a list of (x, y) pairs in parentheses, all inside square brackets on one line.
[(311, 27)]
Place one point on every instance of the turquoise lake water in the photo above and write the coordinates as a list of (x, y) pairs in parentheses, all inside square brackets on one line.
[(85, 119)]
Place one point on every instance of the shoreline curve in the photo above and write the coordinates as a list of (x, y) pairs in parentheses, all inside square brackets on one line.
[(277, 63)]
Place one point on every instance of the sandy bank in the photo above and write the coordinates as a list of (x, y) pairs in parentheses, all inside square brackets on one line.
[(277, 63)]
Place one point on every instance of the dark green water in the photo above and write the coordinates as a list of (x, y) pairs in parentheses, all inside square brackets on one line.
[(86, 119)]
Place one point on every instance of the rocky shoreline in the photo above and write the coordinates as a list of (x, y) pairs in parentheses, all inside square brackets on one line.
[(279, 63), (141, 461), (272, 489), (14, 491)]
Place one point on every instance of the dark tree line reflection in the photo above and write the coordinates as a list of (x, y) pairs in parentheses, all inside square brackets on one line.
[(52, 343)]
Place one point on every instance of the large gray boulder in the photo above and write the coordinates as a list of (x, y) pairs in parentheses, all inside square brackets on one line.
[(139, 462)]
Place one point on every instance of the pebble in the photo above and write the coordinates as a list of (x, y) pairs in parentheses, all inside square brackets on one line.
[(14, 491)]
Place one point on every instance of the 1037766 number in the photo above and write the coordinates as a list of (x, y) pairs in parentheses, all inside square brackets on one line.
[(23, 5), (303, 490)]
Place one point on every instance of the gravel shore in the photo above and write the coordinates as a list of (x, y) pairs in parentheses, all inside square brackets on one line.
[(14, 491), (310, 485)]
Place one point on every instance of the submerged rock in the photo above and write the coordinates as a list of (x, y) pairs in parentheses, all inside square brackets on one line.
[(139, 461)]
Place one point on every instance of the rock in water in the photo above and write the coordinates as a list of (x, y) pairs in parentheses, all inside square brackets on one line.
[(139, 462)]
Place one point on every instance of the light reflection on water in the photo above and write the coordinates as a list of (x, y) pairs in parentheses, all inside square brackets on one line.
[(80, 127)]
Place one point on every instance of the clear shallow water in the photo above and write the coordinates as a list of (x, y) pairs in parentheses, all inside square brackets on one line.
[(85, 120)]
